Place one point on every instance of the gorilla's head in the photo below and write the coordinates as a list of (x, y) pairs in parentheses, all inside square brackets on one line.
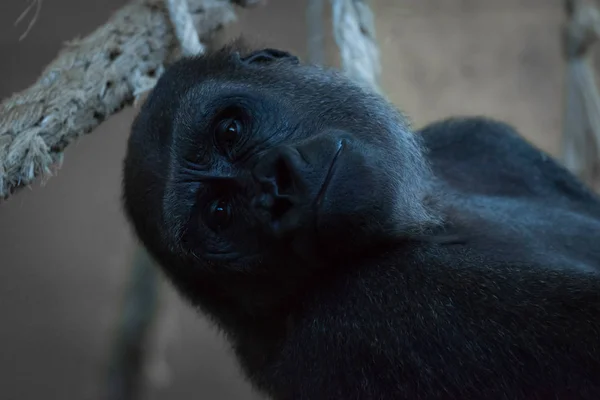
[(249, 163)]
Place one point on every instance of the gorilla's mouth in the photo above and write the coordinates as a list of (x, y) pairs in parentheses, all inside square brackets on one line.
[(330, 173)]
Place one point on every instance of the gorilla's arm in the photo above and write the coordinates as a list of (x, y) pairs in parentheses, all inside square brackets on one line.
[(303, 216)]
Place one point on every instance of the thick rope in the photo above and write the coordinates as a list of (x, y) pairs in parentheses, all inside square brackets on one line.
[(184, 27), (314, 26), (90, 80), (581, 131), (127, 363), (354, 32)]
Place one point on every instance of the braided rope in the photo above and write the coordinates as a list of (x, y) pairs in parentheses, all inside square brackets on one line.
[(95, 77), (184, 27)]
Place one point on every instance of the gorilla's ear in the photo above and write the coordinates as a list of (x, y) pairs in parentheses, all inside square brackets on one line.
[(266, 56)]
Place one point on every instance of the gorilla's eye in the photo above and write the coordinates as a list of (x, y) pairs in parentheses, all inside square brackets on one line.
[(227, 132), (219, 215)]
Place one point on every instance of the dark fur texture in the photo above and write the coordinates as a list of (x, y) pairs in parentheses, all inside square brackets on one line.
[(336, 276)]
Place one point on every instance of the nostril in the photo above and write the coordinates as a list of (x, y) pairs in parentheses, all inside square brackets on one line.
[(276, 177), (280, 207), (283, 176)]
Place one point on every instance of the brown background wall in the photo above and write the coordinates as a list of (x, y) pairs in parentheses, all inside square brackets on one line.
[(64, 248)]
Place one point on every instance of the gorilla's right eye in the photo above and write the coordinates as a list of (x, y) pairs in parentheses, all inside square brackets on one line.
[(219, 215), (227, 133)]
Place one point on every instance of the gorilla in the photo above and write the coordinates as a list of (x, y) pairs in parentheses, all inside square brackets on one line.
[(346, 256)]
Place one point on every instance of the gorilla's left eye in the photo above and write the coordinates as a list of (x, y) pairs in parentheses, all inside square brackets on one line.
[(219, 215), (227, 133)]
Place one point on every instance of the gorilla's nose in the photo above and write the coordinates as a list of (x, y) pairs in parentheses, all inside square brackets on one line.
[(281, 175), (290, 181)]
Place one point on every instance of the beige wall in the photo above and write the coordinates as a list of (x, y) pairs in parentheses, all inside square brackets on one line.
[(65, 247)]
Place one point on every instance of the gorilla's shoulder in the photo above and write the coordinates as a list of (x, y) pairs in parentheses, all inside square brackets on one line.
[(484, 156), (471, 134)]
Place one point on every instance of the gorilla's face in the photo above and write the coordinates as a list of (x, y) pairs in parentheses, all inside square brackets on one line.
[(258, 162)]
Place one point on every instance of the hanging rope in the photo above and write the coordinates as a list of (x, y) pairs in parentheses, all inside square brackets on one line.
[(354, 32), (581, 131), (128, 359), (316, 36), (184, 27)]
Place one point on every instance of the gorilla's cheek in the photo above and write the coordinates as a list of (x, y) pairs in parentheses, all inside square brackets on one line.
[(358, 200)]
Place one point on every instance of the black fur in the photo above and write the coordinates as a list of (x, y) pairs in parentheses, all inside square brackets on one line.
[(456, 263)]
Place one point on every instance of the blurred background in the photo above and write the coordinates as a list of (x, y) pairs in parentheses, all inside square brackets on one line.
[(65, 249)]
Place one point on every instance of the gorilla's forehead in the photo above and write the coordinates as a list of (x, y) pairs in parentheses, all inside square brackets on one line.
[(210, 93), (286, 90), (211, 74)]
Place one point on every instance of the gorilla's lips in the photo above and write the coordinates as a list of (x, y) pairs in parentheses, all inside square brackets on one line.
[(327, 180)]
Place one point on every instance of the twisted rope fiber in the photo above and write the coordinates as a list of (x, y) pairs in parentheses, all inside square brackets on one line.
[(184, 27)]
